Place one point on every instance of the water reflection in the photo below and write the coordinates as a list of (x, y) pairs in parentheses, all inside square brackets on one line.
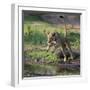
[(31, 70)]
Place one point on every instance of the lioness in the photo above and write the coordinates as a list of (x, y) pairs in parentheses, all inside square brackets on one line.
[(54, 39)]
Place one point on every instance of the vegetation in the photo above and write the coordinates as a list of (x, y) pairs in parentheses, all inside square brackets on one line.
[(39, 38), (42, 55)]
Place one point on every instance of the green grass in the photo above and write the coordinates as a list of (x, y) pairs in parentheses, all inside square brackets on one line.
[(34, 34), (35, 23), (74, 39), (39, 38), (32, 18), (39, 55), (35, 38)]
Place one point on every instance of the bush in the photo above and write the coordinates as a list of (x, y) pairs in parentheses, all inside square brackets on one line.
[(74, 39), (36, 38), (47, 56)]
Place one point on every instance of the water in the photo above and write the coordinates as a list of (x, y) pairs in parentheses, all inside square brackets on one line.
[(34, 70)]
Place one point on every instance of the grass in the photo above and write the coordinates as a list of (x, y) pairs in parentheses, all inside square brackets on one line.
[(32, 18), (35, 38), (41, 55), (39, 38), (35, 27), (74, 38)]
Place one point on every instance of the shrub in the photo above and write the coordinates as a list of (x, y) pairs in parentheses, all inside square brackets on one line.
[(47, 56), (36, 38), (74, 39)]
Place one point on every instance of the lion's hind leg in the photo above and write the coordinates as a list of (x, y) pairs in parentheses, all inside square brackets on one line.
[(64, 54), (68, 46)]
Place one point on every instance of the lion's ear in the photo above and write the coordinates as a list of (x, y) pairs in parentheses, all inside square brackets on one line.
[(46, 32)]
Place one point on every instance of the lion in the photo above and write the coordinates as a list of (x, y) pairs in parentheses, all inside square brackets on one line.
[(54, 39)]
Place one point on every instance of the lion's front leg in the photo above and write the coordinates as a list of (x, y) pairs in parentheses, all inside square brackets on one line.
[(48, 47), (53, 43)]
